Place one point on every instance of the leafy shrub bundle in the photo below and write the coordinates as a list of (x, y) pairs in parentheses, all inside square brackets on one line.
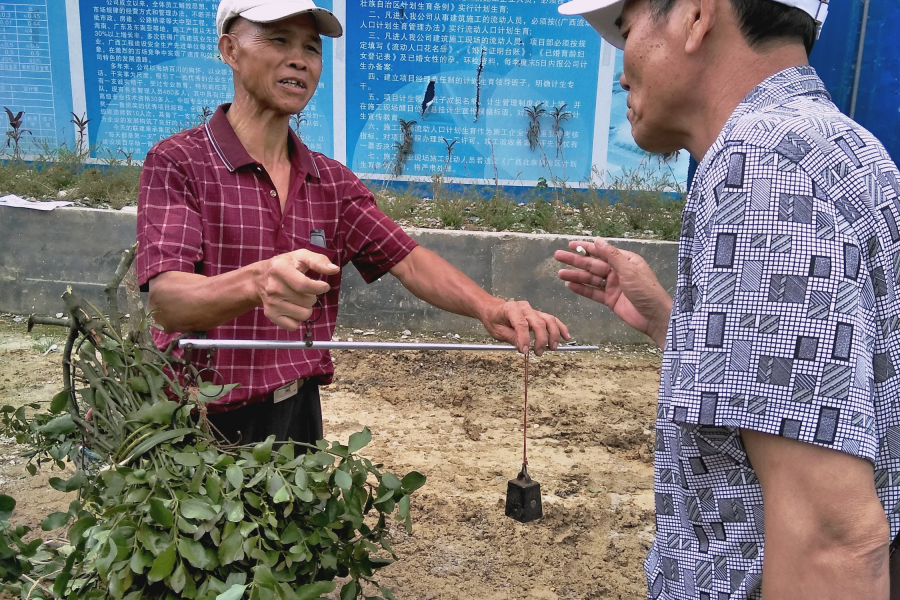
[(166, 512)]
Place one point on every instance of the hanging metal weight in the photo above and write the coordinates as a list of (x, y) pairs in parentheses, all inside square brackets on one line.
[(523, 498), (523, 495)]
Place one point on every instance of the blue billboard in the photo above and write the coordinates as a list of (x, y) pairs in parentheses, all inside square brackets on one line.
[(478, 91)]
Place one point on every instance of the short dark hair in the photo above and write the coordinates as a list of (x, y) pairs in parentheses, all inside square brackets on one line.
[(762, 21)]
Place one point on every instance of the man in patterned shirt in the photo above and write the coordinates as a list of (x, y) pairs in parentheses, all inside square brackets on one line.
[(243, 232), (777, 464)]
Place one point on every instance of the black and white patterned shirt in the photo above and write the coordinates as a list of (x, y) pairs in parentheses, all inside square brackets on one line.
[(785, 321)]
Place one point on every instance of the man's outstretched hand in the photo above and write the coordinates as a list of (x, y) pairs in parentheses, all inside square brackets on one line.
[(514, 321), (621, 280)]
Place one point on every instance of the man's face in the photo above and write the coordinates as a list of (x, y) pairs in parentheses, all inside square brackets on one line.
[(277, 64), (654, 76)]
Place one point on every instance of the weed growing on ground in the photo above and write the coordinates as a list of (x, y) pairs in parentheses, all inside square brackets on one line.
[(645, 202), (497, 213)]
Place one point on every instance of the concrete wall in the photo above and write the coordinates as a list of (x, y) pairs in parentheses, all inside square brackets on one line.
[(43, 252)]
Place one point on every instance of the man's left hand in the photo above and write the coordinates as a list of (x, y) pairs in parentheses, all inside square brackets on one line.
[(514, 321), (434, 280)]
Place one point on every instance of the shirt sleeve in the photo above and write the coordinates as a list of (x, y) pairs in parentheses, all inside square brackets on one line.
[(169, 224), (373, 242), (772, 320)]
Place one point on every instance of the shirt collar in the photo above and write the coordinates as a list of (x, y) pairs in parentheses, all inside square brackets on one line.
[(778, 89), (234, 156), (775, 89)]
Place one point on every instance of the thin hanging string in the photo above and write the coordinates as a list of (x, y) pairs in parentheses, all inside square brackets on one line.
[(525, 418)]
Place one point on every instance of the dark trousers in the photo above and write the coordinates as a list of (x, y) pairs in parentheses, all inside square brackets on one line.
[(298, 418)]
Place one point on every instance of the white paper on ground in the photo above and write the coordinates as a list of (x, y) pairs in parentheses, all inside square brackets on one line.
[(17, 202)]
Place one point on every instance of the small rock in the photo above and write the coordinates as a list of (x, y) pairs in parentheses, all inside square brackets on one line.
[(406, 332), (18, 319), (59, 315), (357, 331), (404, 336), (455, 336)]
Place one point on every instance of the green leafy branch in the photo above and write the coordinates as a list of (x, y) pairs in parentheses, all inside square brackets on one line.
[(165, 511)]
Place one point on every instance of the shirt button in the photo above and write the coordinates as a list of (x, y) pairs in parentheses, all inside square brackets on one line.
[(273, 193)]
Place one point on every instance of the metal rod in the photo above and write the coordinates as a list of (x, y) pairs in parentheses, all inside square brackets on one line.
[(859, 57), (203, 344)]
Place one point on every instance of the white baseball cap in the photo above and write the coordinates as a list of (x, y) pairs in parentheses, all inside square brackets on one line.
[(603, 14), (267, 11)]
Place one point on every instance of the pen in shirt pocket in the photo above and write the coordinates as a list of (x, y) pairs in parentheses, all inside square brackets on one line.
[(317, 238)]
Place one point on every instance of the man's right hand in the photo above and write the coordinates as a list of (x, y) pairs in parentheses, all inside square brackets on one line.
[(621, 280), (285, 286), (286, 293)]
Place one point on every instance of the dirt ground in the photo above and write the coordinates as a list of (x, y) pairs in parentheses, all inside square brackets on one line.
[(457, 418)]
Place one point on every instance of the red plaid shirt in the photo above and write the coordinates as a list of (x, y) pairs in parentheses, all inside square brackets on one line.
[(205, 206)]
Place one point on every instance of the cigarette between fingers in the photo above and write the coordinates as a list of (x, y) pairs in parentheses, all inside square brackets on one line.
[(580, 250)]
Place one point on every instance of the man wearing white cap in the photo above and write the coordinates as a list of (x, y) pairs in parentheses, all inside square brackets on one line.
[(243, 232), (777, 464)]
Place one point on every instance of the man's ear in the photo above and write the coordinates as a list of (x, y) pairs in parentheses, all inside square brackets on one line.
[(702, 16), (227, 48)]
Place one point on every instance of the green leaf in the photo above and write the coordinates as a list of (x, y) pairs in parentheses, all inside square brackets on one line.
[(139, 384), (312, 591), (68, 485), (350, 590), (163, 564), (159, 513), (323, 459), (282, 495), (359, 440), (55, 521), (160, 412), (386, 593), (231, 548), (403, 507), (178, 579), (59, 402), (390, 481), (274, 484), (187, 459), (235, 592), (212, 391), (136, 563), (58, 427), (342, 479), (7, 505), (104, 563), (290, 534), (411, 482), (77, 530), (195, 553), (234, 511), (193, 508), (286, 451), (262, 452), (253, 500), (235, 476), (300, 479), (158, 438)]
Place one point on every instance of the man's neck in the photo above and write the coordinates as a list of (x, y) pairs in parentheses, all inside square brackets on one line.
[(264, 134), (728, 83)]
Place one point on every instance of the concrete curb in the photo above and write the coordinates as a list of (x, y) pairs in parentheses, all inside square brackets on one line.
[(43, 252)]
